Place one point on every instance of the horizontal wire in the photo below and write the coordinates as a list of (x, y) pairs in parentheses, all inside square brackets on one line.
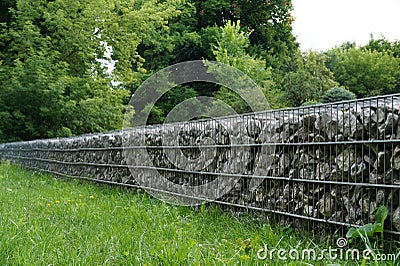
[(264, 177)]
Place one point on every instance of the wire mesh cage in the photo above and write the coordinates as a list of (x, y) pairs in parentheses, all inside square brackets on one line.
[(332, 163)]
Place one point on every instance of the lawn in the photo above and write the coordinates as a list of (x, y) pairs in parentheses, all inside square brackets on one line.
[(56, 221)]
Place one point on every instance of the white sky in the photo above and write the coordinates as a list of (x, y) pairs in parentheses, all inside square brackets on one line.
[(323, 24)]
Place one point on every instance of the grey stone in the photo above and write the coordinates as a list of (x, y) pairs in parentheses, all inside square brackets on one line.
[(350, 126), (382, 162), (396, 219), (395, 160), (345, 160), (358, 171), (390, 124), (253, 127), (326, 124), (326, 205), (378, 116), (310, 211), (323, 171)]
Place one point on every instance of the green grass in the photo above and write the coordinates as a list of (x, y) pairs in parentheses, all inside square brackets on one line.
[(51, 221)]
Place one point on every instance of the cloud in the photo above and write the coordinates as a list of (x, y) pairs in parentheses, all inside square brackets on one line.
[(322, 24)]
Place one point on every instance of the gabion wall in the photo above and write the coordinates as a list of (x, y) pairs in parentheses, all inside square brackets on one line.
[(333, 163)]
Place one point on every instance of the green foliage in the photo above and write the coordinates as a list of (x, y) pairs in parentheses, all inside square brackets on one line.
[(366, 72), (5, 5), (52, 82), (169, 100), (370, 229), (309, 81), (337, 94), (309, 103), (196, 31), (271, 24), (167, 26), (231, 50), (384, 46)]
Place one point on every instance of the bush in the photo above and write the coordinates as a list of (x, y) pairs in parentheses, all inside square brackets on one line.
[(312, 102), (337, 94)]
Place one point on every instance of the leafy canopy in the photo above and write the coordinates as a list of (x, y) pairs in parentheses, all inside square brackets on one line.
[(52, 82)]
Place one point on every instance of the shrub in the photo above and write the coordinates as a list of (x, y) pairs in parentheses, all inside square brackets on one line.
[(337, 94), (312, 102)]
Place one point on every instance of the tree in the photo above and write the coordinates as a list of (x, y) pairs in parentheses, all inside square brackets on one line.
[(366, 72), (168, 101), (383, 45), (309, 80), (337, 94), (194, 33), (51, 81), (269, 21), (231, 50), (52, 77)]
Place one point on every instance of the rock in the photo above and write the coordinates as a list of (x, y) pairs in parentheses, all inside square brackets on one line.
[(337, 216), (301, 135), (268, 133), (380, 197), (375, 178), (305, 173), (367, 206), (294, 122), (286, 192), (321, 155), (304, 160), (395, 160), (318, 138), (358, 171), (353, 215), (310, 211), (299, 207), (323, 171), (284, 163), (309, 121), (291, 191), (398, 131), (390, 124), (316, 190), (365, 115), (396, 219), (326, 205), (382, 162), (378, 116), (253, 127), (369, 158), (326, 124), (350, 126), (392, 176), (339, 137), (345, 160)]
